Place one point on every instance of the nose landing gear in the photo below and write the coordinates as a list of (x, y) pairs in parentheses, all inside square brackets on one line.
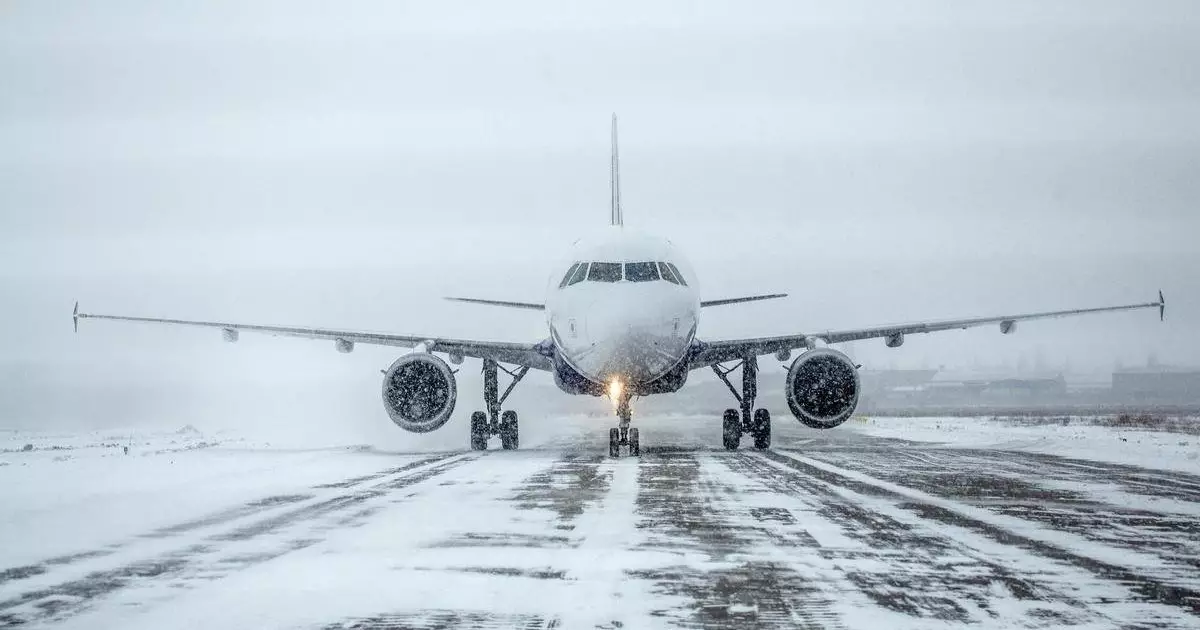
[(493, 422), (735, 423), (622, 434)]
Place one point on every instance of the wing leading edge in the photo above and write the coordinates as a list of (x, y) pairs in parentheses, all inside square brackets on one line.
[(505, 303), (711, 352), (531, 355), (740, 300)]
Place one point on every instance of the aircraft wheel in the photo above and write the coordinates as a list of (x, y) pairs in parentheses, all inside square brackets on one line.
[(731, 429), (762, 429), (635, 448), (509, 435), (479, 431), (614, 442)]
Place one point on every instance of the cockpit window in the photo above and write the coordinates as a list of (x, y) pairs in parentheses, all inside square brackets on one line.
[(567, 277), (579, 275), (678, 276), (604, 272), (641, 272), (669, 274)]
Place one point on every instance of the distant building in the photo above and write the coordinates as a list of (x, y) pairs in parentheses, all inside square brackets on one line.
[(1159, 384), (886, 380)]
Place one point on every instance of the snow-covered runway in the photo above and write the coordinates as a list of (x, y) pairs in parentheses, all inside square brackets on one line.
[(833, 529)]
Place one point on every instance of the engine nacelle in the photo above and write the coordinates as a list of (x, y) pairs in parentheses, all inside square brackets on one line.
[(419, 392), (822, 388)]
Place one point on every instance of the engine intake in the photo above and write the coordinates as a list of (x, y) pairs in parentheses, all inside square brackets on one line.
[(822, 388), (419, 392)]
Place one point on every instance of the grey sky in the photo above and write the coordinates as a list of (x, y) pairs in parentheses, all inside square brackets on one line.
[(346, 163)]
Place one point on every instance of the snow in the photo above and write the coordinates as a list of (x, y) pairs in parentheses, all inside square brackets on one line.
[(193, 529), (67, 480), (1143, 448)]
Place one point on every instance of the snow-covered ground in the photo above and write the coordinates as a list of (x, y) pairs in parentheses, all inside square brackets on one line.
[(1078, 438), (840, 528)]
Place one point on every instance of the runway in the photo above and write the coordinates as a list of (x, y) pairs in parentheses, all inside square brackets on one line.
[(827, 530)]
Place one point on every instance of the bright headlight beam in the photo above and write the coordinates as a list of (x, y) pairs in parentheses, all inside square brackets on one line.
[(615, 387)]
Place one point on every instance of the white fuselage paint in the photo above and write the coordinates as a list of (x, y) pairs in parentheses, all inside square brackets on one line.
[(634, 332)]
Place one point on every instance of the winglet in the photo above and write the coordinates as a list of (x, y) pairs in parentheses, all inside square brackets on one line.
[(1162, 306), (75, 316)]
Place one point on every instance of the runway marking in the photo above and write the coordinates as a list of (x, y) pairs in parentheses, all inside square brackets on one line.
[(71, 597), (1107, 564)]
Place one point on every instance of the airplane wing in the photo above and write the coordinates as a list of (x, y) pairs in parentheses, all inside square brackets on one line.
[(532, 355), (739, 300), (525, 305), (710, 352)]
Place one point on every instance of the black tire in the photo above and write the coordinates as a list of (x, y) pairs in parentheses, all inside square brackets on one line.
[(479, 431), (614, 442), (635, 447), (731, 429), (509, 433), (762, 429)]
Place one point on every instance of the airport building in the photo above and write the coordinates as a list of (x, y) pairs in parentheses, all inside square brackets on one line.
[(1157, 384)]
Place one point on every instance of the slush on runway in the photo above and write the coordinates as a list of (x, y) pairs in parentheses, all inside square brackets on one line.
[(823, 531)]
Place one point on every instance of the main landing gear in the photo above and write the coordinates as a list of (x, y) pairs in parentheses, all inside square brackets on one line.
[(485, 424), (622, 434), (756, 422)]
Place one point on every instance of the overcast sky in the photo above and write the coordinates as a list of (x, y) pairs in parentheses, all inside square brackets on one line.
[(345, 164)]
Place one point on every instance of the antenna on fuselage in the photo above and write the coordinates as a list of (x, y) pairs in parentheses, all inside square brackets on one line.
[(614, 180)]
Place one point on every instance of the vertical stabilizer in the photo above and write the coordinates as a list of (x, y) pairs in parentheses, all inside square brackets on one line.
[(614, 179)]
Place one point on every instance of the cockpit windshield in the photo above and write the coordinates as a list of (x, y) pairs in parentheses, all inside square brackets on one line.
[(616, 272), (580, 273), (641, 271), (675, 271), (567, 277), (671, 274), (604, 272)]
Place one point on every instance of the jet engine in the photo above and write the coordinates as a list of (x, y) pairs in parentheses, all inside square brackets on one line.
[(822, 388), (419, 392)]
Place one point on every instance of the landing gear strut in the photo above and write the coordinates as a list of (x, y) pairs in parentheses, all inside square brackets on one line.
[(622, 434), (756, 422), (485, 424)]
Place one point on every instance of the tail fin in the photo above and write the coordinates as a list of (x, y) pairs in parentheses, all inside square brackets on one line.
[(614, 180)]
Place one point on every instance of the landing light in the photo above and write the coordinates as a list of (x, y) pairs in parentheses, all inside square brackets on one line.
[(615, 387)]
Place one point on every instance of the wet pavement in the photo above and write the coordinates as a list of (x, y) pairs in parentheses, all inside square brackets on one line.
[(826, 530)]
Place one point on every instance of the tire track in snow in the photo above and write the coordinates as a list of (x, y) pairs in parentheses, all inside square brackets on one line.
[(683, 508), (533, 524), (211, 520), (1024, 488), (59, 601), (1138, 585), (915, 572)]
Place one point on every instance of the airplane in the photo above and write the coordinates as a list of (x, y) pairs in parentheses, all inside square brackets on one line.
[(621, 323)]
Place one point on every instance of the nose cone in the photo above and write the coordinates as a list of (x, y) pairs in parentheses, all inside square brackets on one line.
[(636, 347)]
